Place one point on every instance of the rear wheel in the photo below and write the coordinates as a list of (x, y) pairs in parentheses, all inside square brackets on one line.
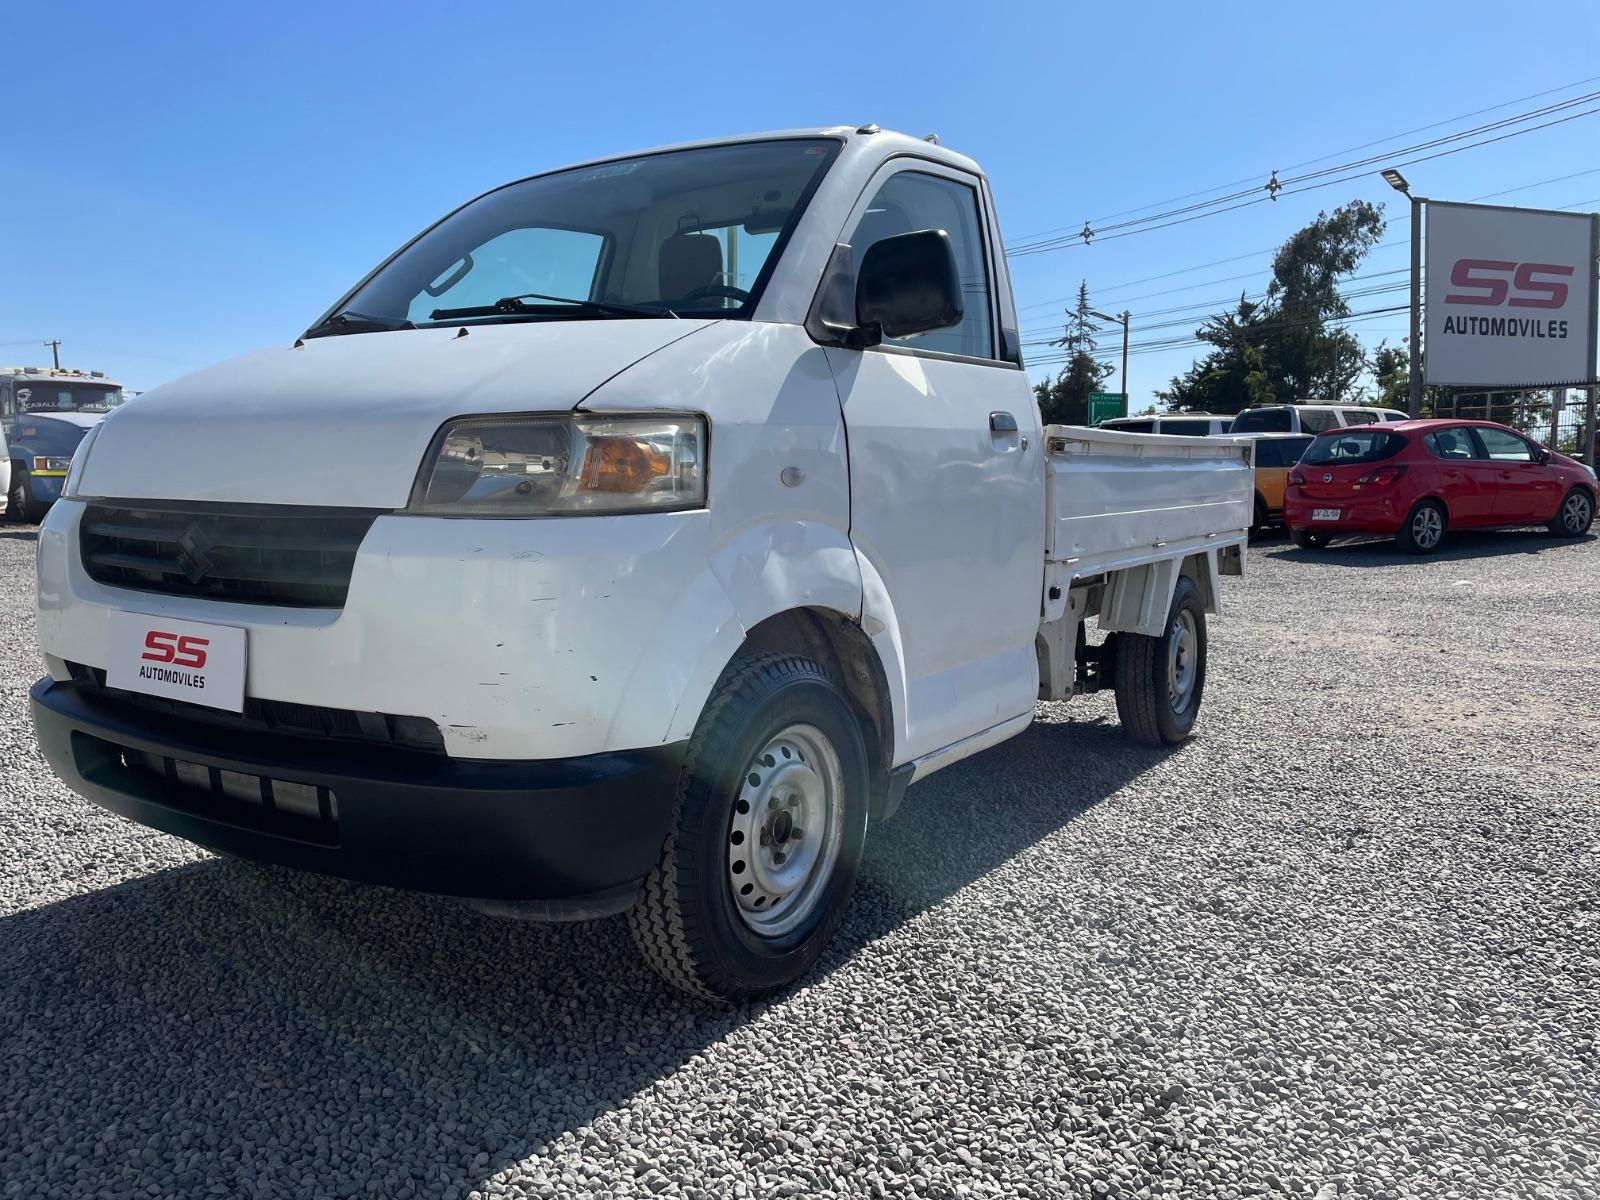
[(767, 836), (1424, 528), (1575, 515), (1160, 680), (1307, 540)]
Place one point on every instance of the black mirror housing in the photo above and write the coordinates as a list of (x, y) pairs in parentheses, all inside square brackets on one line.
[(907, 284)]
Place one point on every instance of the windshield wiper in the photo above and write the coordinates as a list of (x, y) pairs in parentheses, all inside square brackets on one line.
[(354, 322), (512, 306)]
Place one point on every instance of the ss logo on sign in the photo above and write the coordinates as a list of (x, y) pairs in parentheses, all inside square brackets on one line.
[(179, 651), (1493, 281)]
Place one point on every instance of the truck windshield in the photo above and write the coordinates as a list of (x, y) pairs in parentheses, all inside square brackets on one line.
[(48, 395), (682, 233)]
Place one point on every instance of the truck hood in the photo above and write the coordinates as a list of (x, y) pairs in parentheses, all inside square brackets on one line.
[(344, 421)]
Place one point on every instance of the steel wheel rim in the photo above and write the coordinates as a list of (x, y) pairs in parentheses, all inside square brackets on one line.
[(1183, 661), (786, 830), (1426, 528), (1576, 511)]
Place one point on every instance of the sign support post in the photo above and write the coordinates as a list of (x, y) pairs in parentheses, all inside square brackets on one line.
[(1415, 357)]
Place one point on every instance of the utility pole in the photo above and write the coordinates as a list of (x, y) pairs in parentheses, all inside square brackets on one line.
[(1123, 321), (55, 351)]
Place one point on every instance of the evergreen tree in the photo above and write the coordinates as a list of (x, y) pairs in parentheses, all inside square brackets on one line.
[(1064, 400)]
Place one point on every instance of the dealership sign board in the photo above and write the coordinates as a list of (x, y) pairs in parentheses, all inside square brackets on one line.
[(1510, 296)]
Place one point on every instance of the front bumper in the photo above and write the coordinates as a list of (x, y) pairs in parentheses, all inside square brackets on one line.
[(578, 834), (520, 640)]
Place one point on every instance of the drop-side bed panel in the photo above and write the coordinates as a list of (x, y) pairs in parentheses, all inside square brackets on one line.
[(1124, 497)]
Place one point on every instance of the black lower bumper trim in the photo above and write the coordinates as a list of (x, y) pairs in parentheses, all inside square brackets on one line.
[(570, 830)]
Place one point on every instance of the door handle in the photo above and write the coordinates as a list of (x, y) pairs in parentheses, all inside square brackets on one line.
[(1002, 422)]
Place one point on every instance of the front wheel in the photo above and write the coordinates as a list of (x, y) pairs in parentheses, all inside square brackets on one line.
[(767, 835), (1575, 515), (1160, 680), (20, 503)]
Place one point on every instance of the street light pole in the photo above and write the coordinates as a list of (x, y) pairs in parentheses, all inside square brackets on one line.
[(1398, 182), (1415, 357), (1123, 321)]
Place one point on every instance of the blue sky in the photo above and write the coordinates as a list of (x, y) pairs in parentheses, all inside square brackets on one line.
[(187, 183)]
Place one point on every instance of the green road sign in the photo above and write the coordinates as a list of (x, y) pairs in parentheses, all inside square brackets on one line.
[(1105, 405)]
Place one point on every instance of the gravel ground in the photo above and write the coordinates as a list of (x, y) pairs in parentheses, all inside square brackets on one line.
[(1346, 942)]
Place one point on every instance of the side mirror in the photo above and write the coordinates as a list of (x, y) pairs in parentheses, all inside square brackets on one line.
[(907, 284), (1541, 455)]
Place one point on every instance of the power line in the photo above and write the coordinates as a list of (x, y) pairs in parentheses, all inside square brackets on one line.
[(1391, 243), (1277, 187), (1165, 344), (1323, 158)]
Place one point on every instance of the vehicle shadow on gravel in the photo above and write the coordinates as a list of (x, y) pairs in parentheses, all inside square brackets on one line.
[(280, 1033), (1382, 552), (19, 535)]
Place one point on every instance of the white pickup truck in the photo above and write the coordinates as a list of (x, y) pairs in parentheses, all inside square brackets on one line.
[(629, 540)]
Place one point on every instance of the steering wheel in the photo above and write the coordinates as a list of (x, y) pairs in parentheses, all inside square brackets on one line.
[(717, 289)]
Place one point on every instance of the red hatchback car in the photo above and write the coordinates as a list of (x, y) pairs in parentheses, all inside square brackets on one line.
[(1416, 479)]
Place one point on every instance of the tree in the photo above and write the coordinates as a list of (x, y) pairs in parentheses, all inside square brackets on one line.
[(1391, 370), (1064, 400), (1315, 362), (1235, 374), (1289, 346)]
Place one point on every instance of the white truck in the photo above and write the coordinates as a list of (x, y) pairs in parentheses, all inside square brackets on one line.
[(628, 540)]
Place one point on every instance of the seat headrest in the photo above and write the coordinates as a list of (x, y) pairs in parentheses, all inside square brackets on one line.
[(688, 261)]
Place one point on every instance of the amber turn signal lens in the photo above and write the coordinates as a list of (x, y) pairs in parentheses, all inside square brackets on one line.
[(621, 464)]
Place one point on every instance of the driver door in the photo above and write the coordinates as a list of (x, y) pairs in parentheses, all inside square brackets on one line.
[(946, 478)]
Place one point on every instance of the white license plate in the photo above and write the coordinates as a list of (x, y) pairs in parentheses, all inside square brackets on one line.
[(1324, 514), (181, 660)]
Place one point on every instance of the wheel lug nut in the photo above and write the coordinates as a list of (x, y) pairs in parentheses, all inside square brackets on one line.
[(796, 834), (778, 858)]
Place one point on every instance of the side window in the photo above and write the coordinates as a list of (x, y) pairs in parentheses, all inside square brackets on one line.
[(1360, 416), (1186, 428), (1450, 443), (554, 262), (911, 201), (1502, 446), (5, 401), (1318, 420), (1268, 453)]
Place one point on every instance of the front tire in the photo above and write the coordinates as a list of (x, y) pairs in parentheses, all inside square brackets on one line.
[(1160, 680), (1423, 531), (23, 506), (1575, 515), (766, 838)]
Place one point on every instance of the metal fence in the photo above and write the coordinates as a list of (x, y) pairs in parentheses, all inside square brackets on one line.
[(1561, 419)]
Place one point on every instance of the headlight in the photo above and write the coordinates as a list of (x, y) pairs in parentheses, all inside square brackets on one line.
[(69, 485), (570, 464)]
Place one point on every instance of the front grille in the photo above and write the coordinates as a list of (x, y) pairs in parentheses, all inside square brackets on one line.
[(274, 716), (252, 554)]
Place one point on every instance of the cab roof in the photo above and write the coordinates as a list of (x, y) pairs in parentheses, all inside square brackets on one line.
[(854, 136)]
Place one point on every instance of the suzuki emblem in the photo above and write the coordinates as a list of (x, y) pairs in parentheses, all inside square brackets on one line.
[(195, 562)]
